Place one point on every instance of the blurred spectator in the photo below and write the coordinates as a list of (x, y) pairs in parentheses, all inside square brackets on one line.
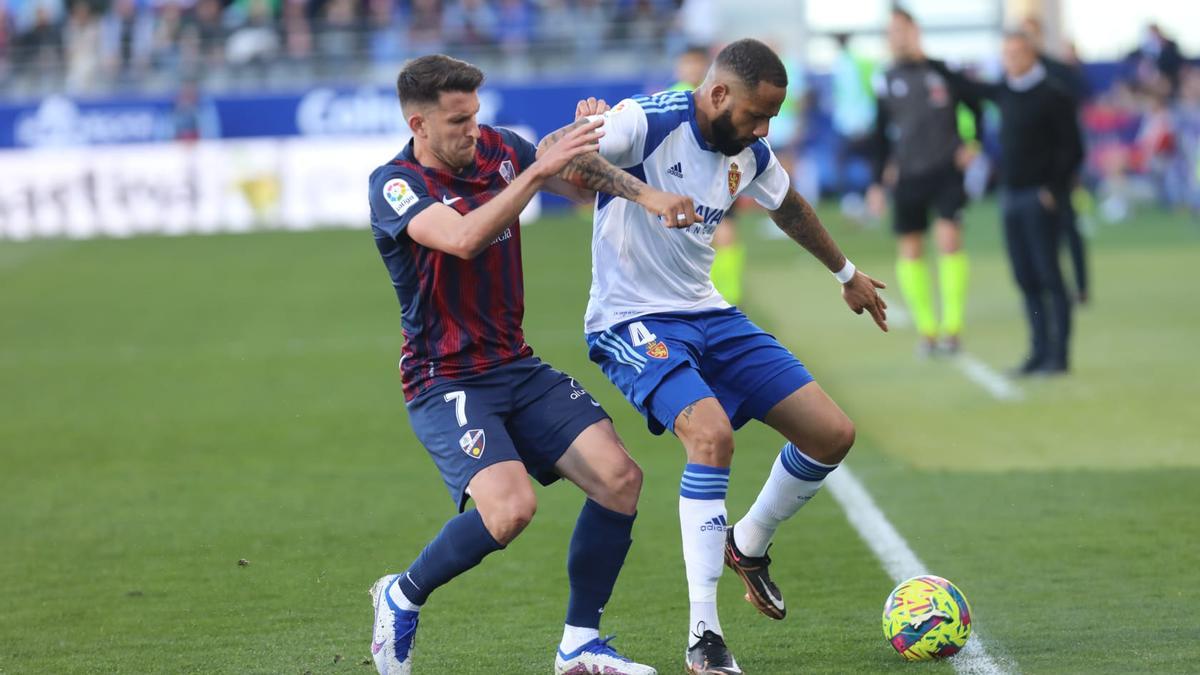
[(127, 39), (515, 27), (425, 27), (81, 47), (41, 44), (297, 33), (642, 25), (386, 34), (204, 33), (1157, 152), (193, 117), (589, 42), (853, 117), (1188, 118), (555, 26), (167, 36), (254, 42), (1157, 61), (470, 23), (338, 37), (29, 14)]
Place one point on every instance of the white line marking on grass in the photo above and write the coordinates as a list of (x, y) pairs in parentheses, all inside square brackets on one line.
[(982, 374), (899, 560), (996, 384)]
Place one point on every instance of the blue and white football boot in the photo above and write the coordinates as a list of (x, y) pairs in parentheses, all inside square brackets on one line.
[(598, 658), (395, 629)]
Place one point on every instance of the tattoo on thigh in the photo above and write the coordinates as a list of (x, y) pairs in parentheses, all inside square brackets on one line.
[(687, 412)]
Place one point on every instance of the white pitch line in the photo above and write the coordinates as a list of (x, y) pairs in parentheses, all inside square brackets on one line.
[(983, 375), (899, 560), (996, 384)]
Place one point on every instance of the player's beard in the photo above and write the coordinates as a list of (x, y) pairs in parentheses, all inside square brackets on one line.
[(725, 138)]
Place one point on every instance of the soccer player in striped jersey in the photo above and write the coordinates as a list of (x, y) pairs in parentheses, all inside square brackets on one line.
[(683, 356), (444, 215)]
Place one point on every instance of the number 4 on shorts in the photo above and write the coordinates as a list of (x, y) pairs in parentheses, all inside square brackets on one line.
[(639, 335)]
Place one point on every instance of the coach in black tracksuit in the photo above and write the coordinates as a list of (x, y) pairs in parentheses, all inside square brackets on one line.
[(1041, 150)]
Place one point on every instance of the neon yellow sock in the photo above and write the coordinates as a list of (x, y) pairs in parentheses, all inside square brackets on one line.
[(953, 272), (916, 285), (727, 271)]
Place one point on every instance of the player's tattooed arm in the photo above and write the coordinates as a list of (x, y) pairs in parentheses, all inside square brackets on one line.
[(796, 217), (591, 171)]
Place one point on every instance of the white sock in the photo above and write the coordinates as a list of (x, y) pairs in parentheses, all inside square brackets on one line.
[(795, 478), (704, 617), (575, 637), (400, 599), (702, 524)]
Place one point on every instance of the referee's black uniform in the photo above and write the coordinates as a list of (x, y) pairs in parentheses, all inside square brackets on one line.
[(916, 124), (1041, 151)]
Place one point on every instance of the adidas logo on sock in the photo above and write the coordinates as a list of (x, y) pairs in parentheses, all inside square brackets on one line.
[(718, 524), (676, 170)]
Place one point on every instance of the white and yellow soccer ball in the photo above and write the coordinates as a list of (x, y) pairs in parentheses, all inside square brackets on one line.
[(926, 617)]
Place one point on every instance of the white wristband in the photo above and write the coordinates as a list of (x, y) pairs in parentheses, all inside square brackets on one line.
[(846, 273)]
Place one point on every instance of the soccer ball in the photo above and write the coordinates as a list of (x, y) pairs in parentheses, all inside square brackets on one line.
[(926, 617)]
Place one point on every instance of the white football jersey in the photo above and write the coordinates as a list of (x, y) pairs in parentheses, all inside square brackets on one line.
[(639, 265)]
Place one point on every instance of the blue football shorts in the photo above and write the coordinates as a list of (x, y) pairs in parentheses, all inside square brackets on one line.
[(525, 411), (666, 362)]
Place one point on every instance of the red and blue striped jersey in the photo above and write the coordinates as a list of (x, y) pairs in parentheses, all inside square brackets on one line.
[(459, 317)]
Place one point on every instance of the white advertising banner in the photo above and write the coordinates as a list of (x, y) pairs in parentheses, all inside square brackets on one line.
[(192, 188)]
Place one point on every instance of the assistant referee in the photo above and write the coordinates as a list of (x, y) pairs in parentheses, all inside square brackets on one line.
[(917, 131)]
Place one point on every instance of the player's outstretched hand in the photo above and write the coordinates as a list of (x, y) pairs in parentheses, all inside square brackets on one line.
[(672, 209), (581, 140), (861, 293), (590, 106)]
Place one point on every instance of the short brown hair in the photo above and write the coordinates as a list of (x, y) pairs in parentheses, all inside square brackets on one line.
[(424, 78), (903, 14)]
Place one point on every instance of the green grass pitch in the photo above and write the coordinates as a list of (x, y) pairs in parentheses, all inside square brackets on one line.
[(171, 406)]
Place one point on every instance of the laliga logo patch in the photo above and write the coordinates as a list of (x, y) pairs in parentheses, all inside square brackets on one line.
[(657, 350), (399, 196), (473, 442), (735, 178), (507, 172)]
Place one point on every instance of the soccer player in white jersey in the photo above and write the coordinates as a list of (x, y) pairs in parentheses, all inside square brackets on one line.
[(684, 357)]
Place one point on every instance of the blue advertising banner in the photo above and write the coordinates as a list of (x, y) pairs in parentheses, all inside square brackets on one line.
[(59, 121)]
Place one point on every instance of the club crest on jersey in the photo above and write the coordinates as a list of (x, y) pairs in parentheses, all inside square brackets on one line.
[(399, 196), (735, 178), (657, 350), (507, 172), (473, 442)]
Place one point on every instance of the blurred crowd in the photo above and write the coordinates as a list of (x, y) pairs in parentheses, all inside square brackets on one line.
[(1141, 123), (90, 45)]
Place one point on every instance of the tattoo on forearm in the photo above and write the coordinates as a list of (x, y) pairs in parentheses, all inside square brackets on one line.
[(593, 172), (796, 218)]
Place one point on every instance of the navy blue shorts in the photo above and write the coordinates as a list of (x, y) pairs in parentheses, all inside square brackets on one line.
[(525, 411), (665, 362)]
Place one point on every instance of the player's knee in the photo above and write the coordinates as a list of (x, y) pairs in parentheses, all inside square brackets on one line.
[(711, 443), (508, 517), (624, 487), (841, 439)]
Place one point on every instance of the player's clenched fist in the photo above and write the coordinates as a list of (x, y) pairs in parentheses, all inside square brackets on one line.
[(672, 209), (581, 140)]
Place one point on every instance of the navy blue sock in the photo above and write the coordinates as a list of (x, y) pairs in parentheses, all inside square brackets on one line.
[(594, 560), (461, 544)]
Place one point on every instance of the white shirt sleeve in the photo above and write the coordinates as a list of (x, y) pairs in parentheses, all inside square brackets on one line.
[(624, 134), (771, 186)]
